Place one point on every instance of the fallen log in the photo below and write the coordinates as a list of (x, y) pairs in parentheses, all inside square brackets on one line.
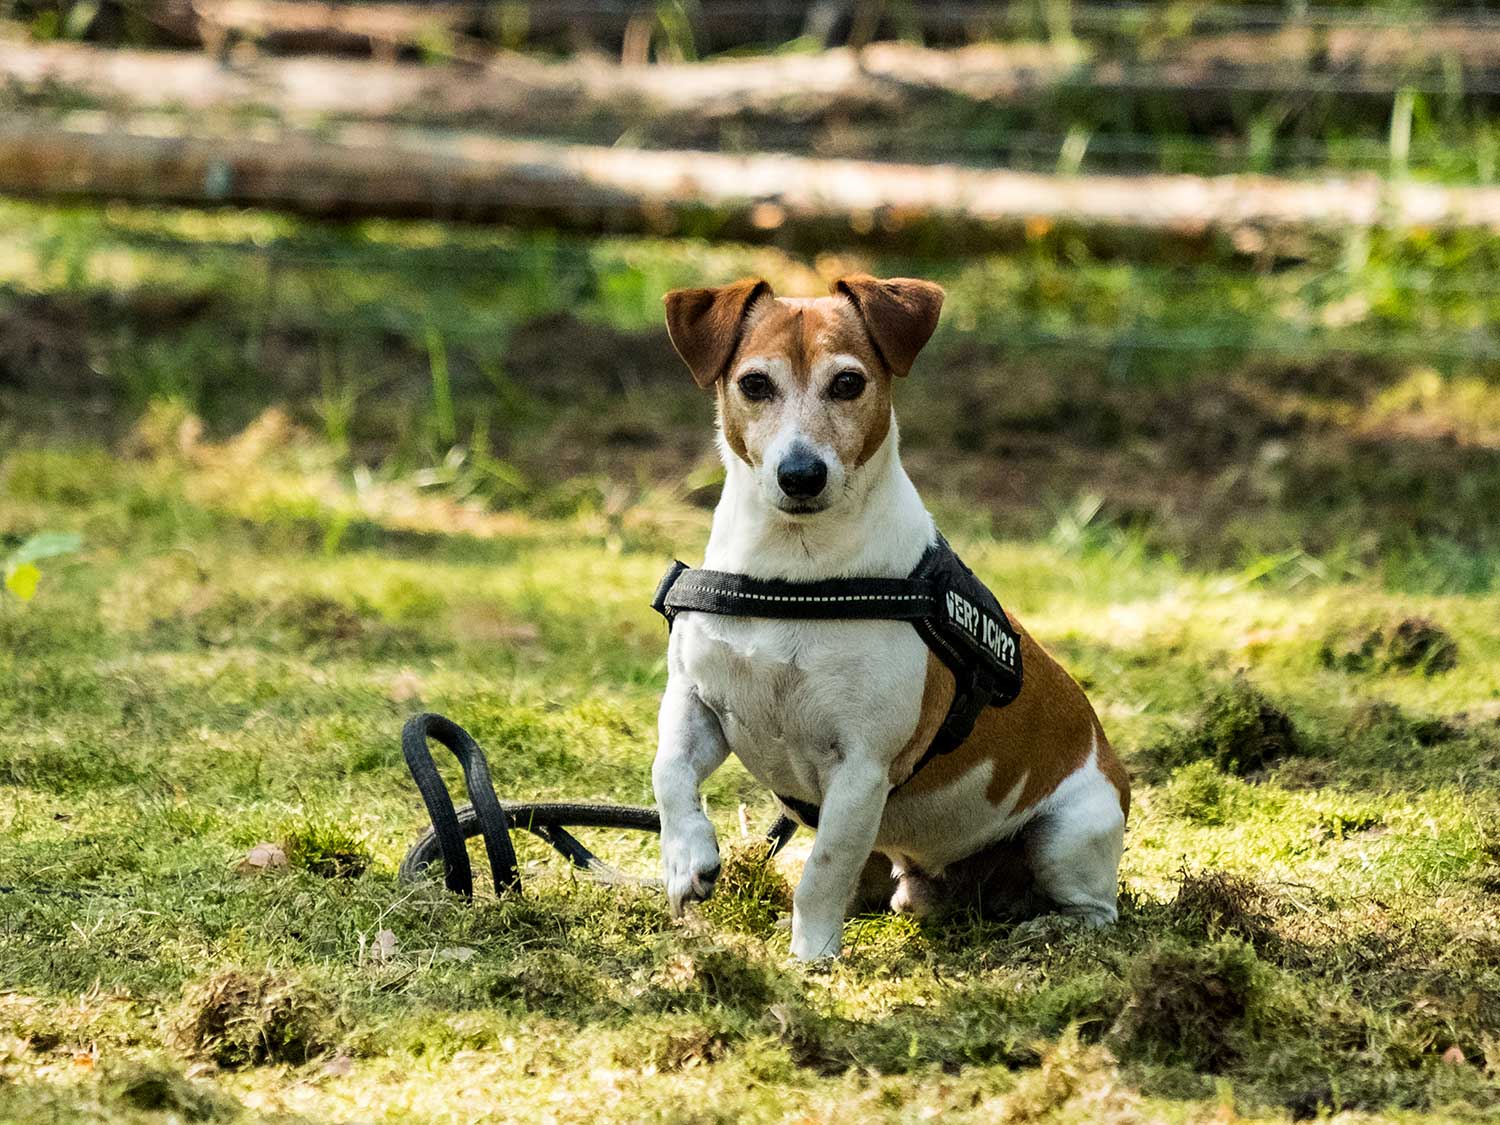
[(364, 170), (516, 90), (838, 102), (309, 27), (377, 26)]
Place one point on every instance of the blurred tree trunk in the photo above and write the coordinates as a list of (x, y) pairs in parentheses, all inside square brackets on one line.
[(806, 204), (783, 96)]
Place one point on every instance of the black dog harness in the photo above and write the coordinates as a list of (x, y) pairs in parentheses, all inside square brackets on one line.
[(952, 611)]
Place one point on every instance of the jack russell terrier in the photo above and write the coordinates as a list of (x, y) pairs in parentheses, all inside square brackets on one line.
[(841, 650)]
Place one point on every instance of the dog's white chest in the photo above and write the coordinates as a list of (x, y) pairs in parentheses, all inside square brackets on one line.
[(794, 697)]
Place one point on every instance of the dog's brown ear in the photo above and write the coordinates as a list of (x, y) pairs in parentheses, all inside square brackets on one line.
[(705, 324), (900, 314)]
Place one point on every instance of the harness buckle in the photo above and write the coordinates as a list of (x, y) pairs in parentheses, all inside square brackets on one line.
[(664, 589)]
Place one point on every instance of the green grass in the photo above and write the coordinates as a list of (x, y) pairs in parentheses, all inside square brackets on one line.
[(327, 477), (1333, 417), (215, 670)]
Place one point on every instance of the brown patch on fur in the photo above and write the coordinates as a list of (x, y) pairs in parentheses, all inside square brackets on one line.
[(706, 324), (937, 697), (1035, 741), (876, 436), (900, 314)]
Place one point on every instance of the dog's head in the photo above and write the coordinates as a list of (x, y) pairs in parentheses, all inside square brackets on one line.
[(804, 385)]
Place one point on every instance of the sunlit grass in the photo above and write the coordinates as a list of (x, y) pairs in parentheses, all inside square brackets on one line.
[(216, 669)]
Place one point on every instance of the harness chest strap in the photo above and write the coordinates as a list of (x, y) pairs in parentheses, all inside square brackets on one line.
[(952, 611)]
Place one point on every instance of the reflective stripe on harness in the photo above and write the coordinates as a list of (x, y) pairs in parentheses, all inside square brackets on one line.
[(952, 611)]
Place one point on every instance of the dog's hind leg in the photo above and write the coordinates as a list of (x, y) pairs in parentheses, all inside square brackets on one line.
[(877, 882), (917, 893), (1074, 850)]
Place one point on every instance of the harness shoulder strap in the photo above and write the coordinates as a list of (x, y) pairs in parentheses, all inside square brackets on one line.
[(970, 632)]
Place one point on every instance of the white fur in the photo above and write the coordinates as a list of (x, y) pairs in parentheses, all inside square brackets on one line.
[(819, 711)]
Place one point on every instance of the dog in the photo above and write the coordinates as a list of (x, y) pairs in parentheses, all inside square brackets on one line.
[(833, 715)]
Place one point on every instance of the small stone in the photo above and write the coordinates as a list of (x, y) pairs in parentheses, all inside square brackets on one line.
[(263, 858), (339, 1066), (384, 947), (1454, 1056)]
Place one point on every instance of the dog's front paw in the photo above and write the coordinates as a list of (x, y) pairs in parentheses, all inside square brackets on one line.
[(814, 942), (690, 866)]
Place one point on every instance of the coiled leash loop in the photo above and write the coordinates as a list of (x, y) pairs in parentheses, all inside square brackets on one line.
[(488, 816), (493, 818)]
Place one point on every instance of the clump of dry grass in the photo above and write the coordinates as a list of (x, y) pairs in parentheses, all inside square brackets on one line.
[(685, 1042), (752, 893), (1412, 644), (1211, 904), (240, 1018), (328, 850), (1385, 723)]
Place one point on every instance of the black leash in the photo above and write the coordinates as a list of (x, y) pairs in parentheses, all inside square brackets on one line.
[(488, 816)]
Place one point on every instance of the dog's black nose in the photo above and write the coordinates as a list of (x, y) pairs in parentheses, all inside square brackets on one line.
[(801, 474)]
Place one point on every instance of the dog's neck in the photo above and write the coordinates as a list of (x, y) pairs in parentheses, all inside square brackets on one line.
[(879, 528)]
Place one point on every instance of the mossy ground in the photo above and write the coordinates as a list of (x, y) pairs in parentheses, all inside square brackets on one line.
[(259, 603)]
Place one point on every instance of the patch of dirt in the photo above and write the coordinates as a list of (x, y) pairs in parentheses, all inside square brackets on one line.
[(560, 357), (48, 343), (1343, 377), (44, 347)]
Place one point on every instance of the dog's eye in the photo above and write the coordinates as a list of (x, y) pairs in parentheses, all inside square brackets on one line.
[(756, 386), (847, 385)]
